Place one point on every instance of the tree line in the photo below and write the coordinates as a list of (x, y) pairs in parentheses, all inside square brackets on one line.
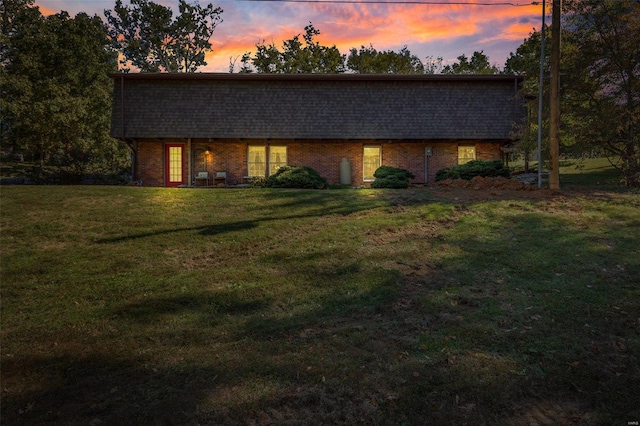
[(56, 93), (309, 56), (600, 83)]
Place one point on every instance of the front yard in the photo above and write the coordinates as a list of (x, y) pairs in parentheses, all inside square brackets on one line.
[(125, 305)]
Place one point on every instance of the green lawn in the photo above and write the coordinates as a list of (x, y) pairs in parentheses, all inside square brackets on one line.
[(125, 305), (590, 172)]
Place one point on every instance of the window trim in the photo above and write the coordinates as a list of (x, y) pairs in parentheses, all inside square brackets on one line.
[(172, 149), (250, 163), (266, 151), (379, 147), (466, 160), (270, 163)]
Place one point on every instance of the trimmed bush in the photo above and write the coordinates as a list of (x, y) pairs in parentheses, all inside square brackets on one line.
[(386, 171), (390, 182), (474, 168), (295, 177), (391, 177)]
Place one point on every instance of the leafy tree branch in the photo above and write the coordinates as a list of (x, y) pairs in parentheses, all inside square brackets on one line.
[(148, 37)]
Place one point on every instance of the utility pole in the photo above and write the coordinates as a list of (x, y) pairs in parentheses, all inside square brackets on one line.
[(541, 93), (554, 94)]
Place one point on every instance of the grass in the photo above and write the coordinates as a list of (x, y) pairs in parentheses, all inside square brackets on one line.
[(126, 305), (577, 173)]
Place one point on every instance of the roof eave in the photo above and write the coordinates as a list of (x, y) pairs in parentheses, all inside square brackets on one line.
[(316, 77)]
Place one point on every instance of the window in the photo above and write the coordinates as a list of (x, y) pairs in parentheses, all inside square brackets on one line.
[(257, 161), (277, 158), (466, 154), (372, 157)]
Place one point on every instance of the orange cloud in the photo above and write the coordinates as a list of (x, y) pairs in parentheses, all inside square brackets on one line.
[(390, 27), (427, 30), (47, 11)]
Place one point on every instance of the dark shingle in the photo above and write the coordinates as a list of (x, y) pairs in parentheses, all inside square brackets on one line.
[(315, 106)]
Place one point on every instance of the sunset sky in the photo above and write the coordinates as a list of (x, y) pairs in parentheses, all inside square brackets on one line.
[(446, 30)]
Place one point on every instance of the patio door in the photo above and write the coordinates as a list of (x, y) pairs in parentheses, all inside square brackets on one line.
[(174, 165)]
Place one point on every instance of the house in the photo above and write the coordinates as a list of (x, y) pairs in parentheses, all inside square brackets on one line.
[(248, 125)]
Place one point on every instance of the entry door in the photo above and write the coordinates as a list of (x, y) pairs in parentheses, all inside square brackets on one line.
[(174, 164)]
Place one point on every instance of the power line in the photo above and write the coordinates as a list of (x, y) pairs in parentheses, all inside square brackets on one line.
[(410, 2), (426, 2)]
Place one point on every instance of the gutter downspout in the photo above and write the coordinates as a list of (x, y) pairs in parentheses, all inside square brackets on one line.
[(190, 163)]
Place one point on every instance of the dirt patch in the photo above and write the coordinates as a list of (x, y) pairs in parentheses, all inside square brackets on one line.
[(492, 189), (485, 183), (549, 413)]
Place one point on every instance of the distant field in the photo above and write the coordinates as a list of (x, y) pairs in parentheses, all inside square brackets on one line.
[(125, 305)]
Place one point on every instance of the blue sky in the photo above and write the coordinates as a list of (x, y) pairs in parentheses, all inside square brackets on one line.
[(445, 30)]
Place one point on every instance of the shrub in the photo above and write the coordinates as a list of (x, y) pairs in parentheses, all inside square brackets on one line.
[(474, 168), (295, 177), (391, 177), (386, 171), (390, 182)]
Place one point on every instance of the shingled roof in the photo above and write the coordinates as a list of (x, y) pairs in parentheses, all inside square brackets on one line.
[(314, 106)]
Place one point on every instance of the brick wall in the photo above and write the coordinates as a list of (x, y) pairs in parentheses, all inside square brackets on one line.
[(151, 163), (224, 156), (324, 156), (488, 151)]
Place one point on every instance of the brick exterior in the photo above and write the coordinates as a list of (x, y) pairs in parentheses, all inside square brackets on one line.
[(230, 156), (320, 118), (151, 163)]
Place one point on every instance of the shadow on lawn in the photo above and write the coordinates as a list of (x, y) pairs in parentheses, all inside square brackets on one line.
[(103, 390), (211, 306), (318, 204), (454, 344), (235, 378), (207, 230)]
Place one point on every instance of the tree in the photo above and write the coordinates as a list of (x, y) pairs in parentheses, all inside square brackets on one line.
[(479, 64), (603, 78), (433, 66), (368, 60), (56, 94), (147, 37), (526, 61), (9, 11), (296, 57)]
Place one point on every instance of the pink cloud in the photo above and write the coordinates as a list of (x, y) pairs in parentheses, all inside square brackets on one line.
[(427, 30)]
